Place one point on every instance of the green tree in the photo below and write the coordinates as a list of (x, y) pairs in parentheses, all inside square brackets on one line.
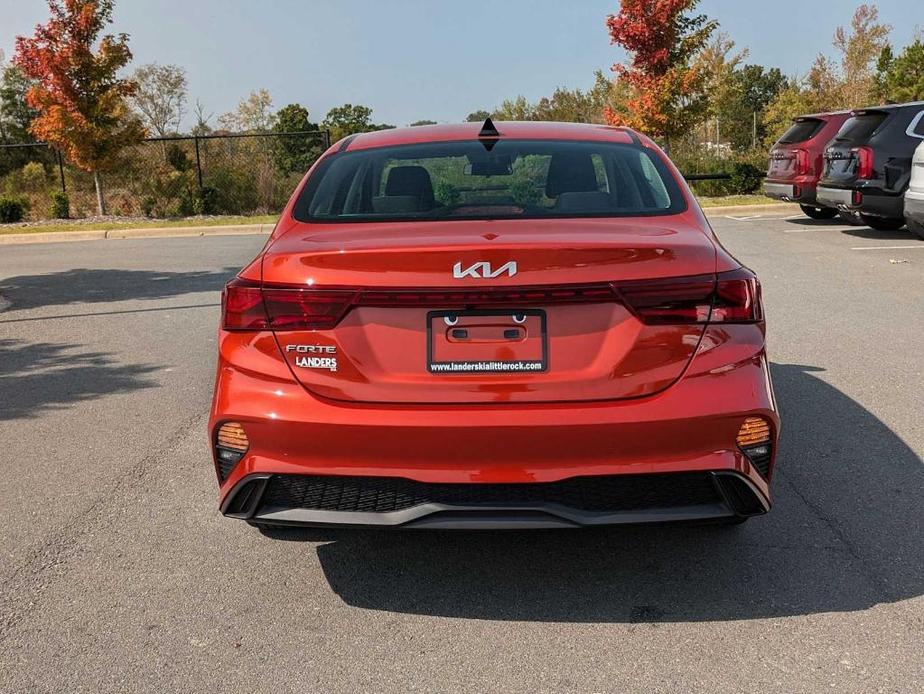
[(752, 88), (515, 109), (295, 153), (253, 114), (883, 64), (422, 122), (575, 105), (477, 116), (350, 119), (15, 113), (904, 77)]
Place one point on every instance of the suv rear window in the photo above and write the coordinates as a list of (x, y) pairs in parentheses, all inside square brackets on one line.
[(514, 179), (861, 127), (802, 130)]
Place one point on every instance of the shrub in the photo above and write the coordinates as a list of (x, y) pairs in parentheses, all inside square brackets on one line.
[(235, 191), (147, 206), (34, 177), (204, 202), (177, 158), (745, 179), (11, 210), (60, 205)]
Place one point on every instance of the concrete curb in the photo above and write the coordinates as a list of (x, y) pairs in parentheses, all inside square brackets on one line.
[(146, 233), (744, 210), (173, 232)]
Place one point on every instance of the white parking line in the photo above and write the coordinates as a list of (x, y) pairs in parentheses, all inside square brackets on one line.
[(744, 219), (918, 247)]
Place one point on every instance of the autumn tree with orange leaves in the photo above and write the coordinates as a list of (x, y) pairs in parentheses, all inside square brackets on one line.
[(80, 99), (665, 83)]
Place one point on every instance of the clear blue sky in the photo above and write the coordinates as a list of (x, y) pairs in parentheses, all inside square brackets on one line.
[(434, 59)]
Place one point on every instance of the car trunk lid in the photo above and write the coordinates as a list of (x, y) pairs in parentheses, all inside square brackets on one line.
[(466, 294)]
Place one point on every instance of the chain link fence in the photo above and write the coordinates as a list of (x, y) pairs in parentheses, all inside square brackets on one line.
[(235, 174)]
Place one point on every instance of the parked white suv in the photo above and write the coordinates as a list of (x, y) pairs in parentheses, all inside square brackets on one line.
[(914, 196)]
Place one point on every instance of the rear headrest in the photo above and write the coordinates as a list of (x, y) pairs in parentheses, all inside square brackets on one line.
[(411, 181), (570, 173)]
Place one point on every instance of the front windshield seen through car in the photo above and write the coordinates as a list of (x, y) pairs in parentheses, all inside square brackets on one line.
[(495, 180)]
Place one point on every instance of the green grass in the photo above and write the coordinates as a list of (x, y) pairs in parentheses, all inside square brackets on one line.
[(148, 224), (737, 200)]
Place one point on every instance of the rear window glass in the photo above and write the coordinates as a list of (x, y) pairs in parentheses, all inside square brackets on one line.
[(860, 128), (801, 130), (917, 125), (512, 179)]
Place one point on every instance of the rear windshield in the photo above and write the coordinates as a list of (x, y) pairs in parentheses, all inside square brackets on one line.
[(860, 128), (511, 179), (802, 130)]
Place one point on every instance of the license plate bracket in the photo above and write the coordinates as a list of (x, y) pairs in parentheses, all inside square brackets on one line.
[(496, 342)]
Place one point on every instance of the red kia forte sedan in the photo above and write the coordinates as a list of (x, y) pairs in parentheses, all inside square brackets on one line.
[(526, 325)]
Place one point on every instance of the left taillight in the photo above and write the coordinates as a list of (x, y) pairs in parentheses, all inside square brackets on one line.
[(248, 306), (242, 306), (729, 297)]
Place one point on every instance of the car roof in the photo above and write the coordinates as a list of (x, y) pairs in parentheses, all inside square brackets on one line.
[(889, 107), (823, 114), (513, 130)]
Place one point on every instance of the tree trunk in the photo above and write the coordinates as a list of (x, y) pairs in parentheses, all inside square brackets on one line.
[(100, 201)]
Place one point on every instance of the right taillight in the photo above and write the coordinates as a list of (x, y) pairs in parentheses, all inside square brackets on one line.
[(803, 165), (864, 162), (729, 297)]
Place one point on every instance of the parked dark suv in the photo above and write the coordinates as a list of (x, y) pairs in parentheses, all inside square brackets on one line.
[(868, 163), (796, 161)]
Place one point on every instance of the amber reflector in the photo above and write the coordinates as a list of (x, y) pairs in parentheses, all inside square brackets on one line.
[(755, 430), (231, 435)]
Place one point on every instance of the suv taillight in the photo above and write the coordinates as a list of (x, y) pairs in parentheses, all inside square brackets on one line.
[(864, 162), (803, 165)]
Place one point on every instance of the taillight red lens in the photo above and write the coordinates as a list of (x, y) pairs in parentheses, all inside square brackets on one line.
[(307, 309), (730, 297), (864, 162), (803, 165), (737, 298), (242, 306), (663, 302)]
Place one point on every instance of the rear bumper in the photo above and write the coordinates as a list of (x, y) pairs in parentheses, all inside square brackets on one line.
[(914, 206), (874, 202), (802, 193), (690, 427), (589, 501)]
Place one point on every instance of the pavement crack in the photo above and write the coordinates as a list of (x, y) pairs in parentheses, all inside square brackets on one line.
[(22, 590), (881, 585)]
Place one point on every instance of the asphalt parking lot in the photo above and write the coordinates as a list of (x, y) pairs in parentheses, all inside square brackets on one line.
[(117, 572)]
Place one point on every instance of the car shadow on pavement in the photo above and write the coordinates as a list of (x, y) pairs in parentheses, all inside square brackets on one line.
[(809, 222), (106, 285), (39, 377), (845, 534), (869, 233)]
